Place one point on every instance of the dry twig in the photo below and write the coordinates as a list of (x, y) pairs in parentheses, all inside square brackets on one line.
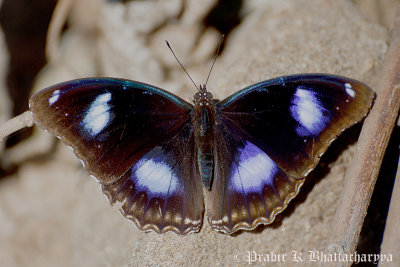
[(363, 171), (15, 124), (391, 238)]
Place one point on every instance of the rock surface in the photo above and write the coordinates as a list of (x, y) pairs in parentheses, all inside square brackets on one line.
[(52, 214)]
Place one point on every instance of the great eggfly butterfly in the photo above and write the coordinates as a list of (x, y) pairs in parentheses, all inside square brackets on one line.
[(154, 152)]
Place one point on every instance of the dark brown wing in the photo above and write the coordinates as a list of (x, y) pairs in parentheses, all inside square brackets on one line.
[(136, 139), (269, 136), (162, 192)]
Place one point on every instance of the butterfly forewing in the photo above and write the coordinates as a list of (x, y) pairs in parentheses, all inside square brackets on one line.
[(274, 133), (136, 140)]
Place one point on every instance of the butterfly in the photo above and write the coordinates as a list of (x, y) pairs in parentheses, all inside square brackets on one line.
[(161, 156)]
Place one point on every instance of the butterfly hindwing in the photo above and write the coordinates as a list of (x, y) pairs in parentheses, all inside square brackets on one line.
[(153, 193), (248, 188), (274, 133), (129, 136)]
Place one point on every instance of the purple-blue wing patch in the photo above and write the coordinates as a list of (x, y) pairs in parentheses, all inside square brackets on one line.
[(248, 189), (160, 192)]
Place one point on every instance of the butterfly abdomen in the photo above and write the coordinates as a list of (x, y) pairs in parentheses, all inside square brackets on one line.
[(203, 121), (205, 161)]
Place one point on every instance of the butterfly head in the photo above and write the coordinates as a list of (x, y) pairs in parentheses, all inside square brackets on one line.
[(203, 97)]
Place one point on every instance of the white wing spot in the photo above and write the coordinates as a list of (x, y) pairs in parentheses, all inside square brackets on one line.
[(254, 171), (156, 177), (54, 97), (98, 116), (349, 89), (307, 110)]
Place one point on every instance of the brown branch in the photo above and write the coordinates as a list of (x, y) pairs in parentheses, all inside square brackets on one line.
[(15, 124), (391, 237), (361, 176)]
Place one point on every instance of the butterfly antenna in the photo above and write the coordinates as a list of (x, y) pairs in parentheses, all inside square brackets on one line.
[(182, 66), (215, 57)]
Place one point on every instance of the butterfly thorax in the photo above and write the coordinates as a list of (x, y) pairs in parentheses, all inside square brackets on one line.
[(203, 121)]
